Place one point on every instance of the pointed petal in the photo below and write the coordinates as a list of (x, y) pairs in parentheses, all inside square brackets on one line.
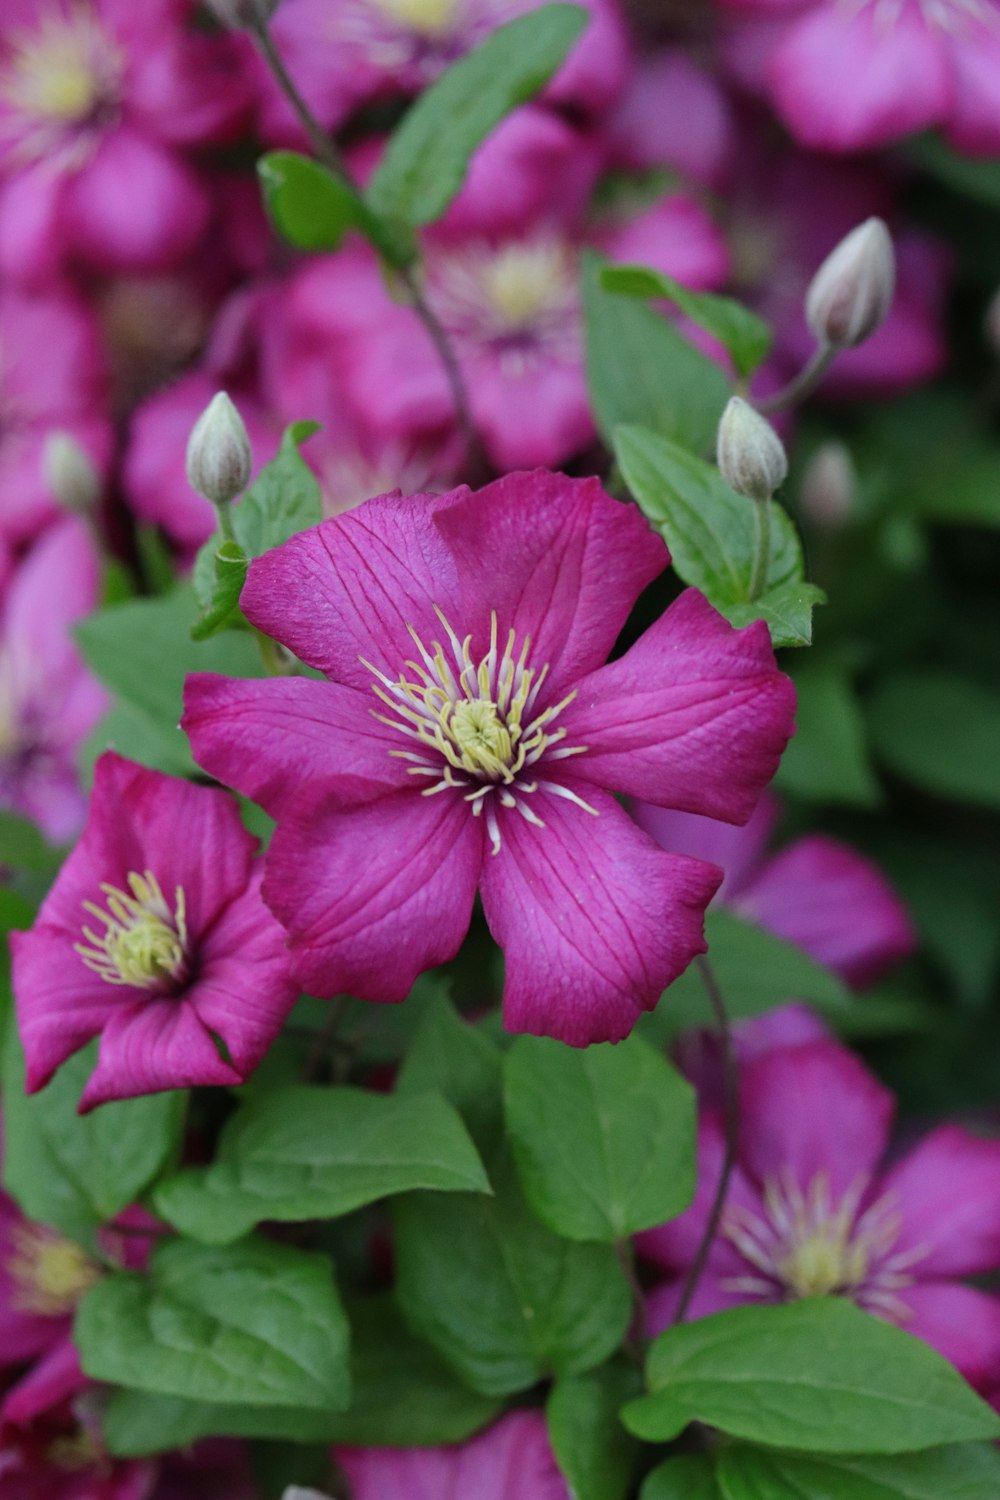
[(60, 1003), (959, 1322), (152, 1046), (948, 1193), (594, 920), (738, 850), (694, 717)]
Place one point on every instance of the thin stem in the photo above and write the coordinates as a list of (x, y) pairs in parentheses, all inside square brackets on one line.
[(325, 1039), (732, 1119), (803, 384), (326, 151), (635, 1341), (761, 547), (225, 522)]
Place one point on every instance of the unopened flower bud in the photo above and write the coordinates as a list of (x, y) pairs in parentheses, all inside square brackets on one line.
[(296, 1492), (70, 474), (750, 454), (219, 459), (992, 324), (829, 486), (243, 14), (851, 293)]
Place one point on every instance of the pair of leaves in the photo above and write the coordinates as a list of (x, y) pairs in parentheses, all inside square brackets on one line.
[(298, 1153), (428, 155), (745, 336), (710, 532), (284, 499), (257, 1323), (969, 1471), (819, 1376)]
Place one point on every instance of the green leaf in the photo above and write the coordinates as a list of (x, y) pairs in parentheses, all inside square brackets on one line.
[(257, 1323), (502, 1299), (827, 758), (314, 209), (142, 651), (819, 1375), (974, 179), (592, 1448), (24, 847), (966, 1472), (641, 370), (298, 1153), (755, 970), (941, 733), (77, 1172), (403, 1395), (603, 1137), (428, 154), (689, 1477), (746, 336), (452, 1057), (229, 565), (710, 532)]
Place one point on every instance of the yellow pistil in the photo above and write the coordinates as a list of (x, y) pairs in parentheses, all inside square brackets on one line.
[(481, 737), (50, 1273), (428, 18), (74, 1451), (523, 281), (824, 1261), (144, 943)]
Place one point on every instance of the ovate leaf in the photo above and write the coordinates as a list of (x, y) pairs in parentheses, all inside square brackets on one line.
[(591, 1446), (745, 336), (970, 1471), (689, 1477), (314, 209)]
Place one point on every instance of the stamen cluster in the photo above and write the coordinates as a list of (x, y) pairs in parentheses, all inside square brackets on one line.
[(144, 943)]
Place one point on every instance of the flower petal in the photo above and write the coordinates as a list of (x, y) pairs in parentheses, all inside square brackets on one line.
[(974, 127), (152, 1046), (709, 1297), (809, 1110), (373, 895), (835, 904), (948, 1192), (269, 738), (959, 1322), (694, 717), (61, 1004), (674, 1245), (738, 850), (594, 920)]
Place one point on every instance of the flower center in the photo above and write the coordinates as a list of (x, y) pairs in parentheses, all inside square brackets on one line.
[(432, 19), (50, 1274), (520, 298), (144, 943), (59, 76), (804, 1245), (478, 727)]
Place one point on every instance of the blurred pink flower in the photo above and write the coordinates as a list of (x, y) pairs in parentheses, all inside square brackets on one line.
[(53, 378), (512, 1460), (100, 100), (155, 938), (677, 114), (850, 77), (811, 1212), (49, 702), (517, 734)]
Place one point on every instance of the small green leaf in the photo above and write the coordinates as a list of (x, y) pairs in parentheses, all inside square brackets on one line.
[(603, 1137), (258, 1324), (641, 370), (502, 1299), (966, 1472), (229, 571), (941, 733), (819, 1375), (428, 154), (299, 1153), (689, 1477), (449, 1055), (827, 758), (314, 209), (77, 1172), (746, 336), (710, 532), (593, 1450)]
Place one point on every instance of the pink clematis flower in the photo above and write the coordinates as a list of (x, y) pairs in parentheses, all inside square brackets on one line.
[(42, 1278), (849, 77), (154, 937), (811, 1212), (53, 378), (512, 1460), (469, 736), (99, 100), (816, 892), (49, 702)]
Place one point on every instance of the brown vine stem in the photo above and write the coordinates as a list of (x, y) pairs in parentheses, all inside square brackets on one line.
[(325, 150), (732, 1116)]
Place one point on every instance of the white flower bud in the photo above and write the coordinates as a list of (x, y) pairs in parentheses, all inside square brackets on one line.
[(829, 486), (992, 325), (242, 14), (70, 474), (851, 293), (750, 454), (296, 1492), (219, 459)]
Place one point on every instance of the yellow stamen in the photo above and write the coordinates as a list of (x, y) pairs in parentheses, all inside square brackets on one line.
[(50, 1274), (433, 19), (144, 943)]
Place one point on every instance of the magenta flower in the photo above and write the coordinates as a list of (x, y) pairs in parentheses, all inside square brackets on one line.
[(98, 101), (42, 1278), (811, 1213), (153, 937), (52, 378), (469, 736), (816, 892), (49, 702), (512, 1460), (851, 77)]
